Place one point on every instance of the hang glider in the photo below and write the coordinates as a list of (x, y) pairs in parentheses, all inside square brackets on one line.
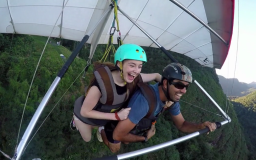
[(171, 26), (199, 29)]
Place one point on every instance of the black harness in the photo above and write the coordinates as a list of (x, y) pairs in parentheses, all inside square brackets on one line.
[(110, 100)]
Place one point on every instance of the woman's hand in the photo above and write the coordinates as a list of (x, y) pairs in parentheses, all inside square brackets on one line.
[(158, 77), (151, 77), (123, 113), (168, 104), (151, 132)]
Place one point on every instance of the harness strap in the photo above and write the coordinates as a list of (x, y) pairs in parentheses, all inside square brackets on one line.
[(109, 95), (107, 88), (149, 94), (146, 122)]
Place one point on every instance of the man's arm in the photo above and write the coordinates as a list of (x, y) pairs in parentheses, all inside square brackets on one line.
[(189, 127), (139, 108), (121, 132)]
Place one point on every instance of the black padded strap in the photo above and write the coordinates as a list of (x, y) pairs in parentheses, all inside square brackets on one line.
[(104, 82)]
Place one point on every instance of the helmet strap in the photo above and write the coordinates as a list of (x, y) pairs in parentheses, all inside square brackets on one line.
[(121, 71), (166, 92)]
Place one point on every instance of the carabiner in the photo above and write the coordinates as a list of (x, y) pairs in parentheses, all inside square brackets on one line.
[(112, 30)]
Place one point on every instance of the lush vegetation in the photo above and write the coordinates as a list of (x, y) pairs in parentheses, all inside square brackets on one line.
[(18, 58), (246, 112)]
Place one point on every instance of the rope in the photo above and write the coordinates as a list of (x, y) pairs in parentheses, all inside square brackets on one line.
[(119, 40), (35, 74), (115, 12), (110, 46)]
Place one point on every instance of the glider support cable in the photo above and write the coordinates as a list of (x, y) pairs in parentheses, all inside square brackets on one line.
[(38, 63), (237, 48), (218, 107), (11, 16), (88, 64), (150, 37), (202, 108), (61, 23), (50, 91), (199, 20)]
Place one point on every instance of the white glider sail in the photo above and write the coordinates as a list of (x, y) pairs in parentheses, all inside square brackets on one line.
[(172, 27)]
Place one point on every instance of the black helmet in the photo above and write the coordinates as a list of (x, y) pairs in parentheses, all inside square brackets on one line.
[(177, 71)]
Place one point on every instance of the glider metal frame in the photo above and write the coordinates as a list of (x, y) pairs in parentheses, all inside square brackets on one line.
[(99, 26), (199, 20)]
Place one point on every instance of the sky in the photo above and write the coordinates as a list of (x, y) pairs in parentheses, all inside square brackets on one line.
[(241, 60)]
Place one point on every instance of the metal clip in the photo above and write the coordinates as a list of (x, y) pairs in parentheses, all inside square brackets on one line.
[(112, 30)]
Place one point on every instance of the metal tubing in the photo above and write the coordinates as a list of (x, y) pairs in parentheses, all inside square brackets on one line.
[(35, 117), (50, 91), (199, 20), (163, 145), (150, 37), (80, 45), (220, 109)]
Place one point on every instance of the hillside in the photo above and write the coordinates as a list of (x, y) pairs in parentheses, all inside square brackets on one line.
[(55, 140), (245, 108), (232, 87)]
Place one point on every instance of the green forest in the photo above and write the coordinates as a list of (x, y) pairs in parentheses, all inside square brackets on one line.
[(52, 137), (246, 112)]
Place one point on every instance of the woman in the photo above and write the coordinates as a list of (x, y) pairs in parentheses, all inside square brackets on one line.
[(110, 88)]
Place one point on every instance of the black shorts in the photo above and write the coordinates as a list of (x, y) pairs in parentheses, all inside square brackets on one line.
[(109, 129)]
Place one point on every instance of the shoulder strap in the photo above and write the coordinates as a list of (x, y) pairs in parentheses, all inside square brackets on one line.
[(149, 94), (109, 95), (105, 81)]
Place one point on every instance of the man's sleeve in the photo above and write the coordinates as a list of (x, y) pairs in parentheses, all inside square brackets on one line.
[(175, 109), (139, 107)]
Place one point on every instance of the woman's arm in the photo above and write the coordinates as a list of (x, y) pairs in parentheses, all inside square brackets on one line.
[(151, 77), (90, 102)]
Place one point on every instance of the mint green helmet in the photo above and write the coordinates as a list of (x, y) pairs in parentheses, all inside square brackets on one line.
[(130, 51)]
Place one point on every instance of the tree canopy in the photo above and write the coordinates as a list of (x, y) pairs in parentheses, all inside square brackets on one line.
[(55, 140)]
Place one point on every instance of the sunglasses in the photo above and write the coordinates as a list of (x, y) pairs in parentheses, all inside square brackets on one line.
[(179, 85)]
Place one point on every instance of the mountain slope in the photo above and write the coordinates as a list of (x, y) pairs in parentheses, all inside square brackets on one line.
[(245, 108), (232, 86)]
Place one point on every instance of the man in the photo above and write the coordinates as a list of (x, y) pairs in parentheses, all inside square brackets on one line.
[(175, 81)]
